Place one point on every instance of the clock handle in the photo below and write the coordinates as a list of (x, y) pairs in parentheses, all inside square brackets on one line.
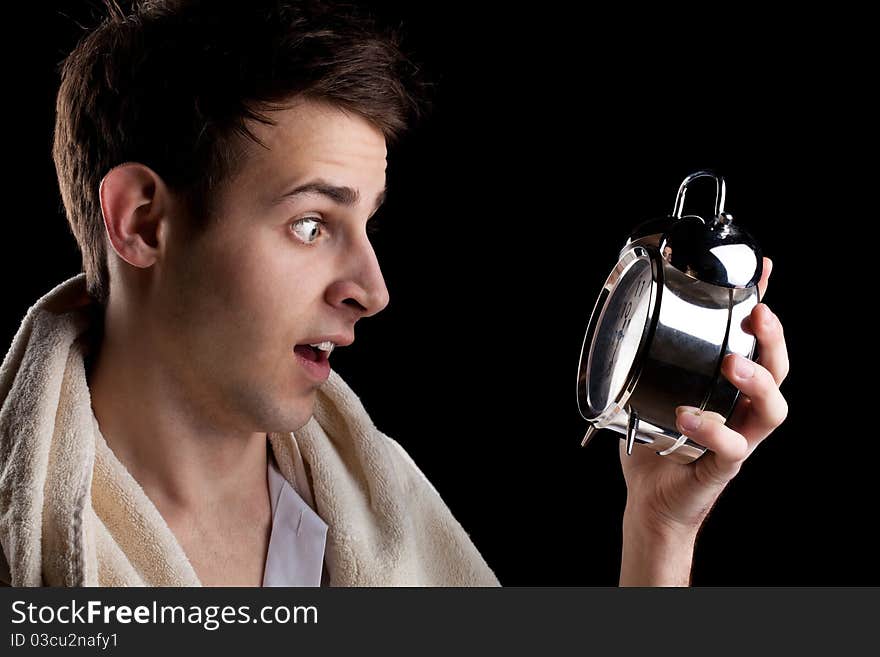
[(720, 192)]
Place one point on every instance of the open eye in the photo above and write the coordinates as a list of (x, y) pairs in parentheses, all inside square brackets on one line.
[(308, 227)]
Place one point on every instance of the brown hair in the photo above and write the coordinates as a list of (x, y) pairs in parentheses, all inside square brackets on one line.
[(171, 84)]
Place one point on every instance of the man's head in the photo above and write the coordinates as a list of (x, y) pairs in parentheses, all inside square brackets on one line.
[(173, 85), (182, 132)]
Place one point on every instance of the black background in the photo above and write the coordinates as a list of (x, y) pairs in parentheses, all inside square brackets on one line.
[(554, 132)]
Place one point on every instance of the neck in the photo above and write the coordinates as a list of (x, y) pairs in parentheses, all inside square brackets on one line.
[(187, 457)]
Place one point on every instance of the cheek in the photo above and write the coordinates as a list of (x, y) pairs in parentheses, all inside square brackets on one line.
[(258, 290), (280, 288), (238, 275), (218, 300), (269, 301)]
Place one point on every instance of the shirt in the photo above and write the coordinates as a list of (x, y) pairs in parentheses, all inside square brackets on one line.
[(298, 539)]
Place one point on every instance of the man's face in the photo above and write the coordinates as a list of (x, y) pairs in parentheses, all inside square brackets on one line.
[(267, 276)]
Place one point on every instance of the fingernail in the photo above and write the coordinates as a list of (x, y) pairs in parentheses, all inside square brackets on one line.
[(744, 367), (689, 418), (769, 317)]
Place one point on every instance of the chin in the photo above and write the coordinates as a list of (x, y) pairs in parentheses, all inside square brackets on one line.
[(304, 414), (282, 414)]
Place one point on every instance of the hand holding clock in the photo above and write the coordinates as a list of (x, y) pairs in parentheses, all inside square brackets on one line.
[(667, 502)]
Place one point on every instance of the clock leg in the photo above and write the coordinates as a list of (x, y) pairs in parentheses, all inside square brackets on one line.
[(591, 431), (631, 430)]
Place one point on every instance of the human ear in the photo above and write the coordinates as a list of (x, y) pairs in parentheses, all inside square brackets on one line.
[(134, 202)]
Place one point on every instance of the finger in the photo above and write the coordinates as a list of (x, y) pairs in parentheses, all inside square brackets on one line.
[(767, 328), (767, 406), (709, 430), (765, 277)]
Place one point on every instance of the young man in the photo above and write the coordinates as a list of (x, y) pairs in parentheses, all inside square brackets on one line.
[(169, 416)]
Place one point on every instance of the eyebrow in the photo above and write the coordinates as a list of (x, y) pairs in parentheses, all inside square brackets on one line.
[(341, 195)]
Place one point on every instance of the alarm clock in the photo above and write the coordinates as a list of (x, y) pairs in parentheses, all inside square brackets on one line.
[(670, 311)]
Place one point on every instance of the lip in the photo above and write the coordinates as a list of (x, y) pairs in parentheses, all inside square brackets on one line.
[(317, 370), (339, 339)]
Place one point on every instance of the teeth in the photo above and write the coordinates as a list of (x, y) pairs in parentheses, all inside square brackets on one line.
[(324, 346)]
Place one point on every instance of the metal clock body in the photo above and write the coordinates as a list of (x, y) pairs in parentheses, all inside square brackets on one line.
[(670, 311)]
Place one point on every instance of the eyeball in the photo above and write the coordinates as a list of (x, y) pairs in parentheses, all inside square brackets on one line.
[(314, 231)]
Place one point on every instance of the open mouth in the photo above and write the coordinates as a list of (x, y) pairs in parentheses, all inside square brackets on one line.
[(311, 353)]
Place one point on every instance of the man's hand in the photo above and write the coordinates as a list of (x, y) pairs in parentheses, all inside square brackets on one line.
[(669, 501)]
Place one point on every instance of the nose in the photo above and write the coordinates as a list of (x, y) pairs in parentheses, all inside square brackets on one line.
[(363, 286)]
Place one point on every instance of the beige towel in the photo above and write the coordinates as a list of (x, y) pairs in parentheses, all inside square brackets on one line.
[(72, 515)]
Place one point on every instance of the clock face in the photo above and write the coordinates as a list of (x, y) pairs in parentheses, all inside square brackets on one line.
[(622, 322)]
